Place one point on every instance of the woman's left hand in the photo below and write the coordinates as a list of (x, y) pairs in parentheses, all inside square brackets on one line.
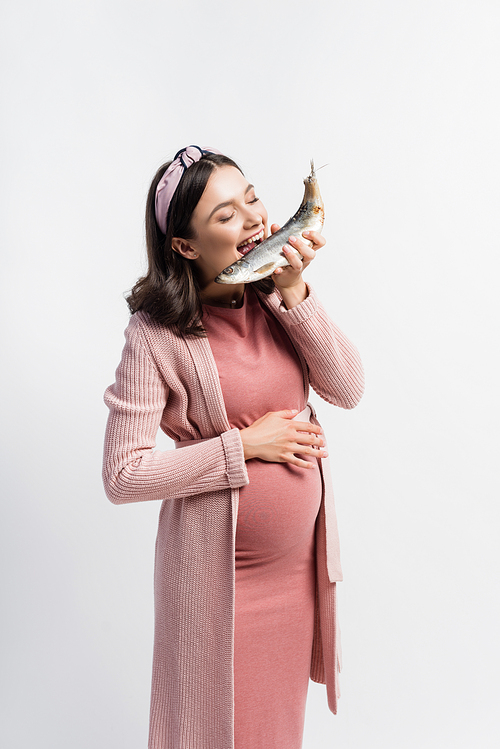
[(289, 279)]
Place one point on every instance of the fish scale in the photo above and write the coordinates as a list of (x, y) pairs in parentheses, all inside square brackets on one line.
[(268, 255)]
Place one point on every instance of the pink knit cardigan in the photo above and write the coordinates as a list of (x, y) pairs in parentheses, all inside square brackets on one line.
[(172, 382)]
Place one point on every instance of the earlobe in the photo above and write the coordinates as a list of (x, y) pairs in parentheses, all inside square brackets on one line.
[(183, 247)]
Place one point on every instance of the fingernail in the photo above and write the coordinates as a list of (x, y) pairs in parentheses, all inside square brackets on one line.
[(294, 411), (292, 239), (306, 233)]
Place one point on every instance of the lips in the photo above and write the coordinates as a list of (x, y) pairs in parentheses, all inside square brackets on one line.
[(245, 247)]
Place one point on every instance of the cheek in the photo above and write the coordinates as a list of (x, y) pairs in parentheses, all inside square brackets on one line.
[(232, 234)]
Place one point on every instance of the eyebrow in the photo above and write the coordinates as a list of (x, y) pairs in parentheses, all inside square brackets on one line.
[(228, 202)]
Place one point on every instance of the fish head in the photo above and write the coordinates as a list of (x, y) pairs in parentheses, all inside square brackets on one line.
[(238, 272)]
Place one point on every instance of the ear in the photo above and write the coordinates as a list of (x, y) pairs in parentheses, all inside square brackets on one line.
[(183, 247)]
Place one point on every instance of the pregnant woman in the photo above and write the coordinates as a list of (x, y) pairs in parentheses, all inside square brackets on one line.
[(247, 554)]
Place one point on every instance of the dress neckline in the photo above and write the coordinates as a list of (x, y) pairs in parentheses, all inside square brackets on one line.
[(223, 311)]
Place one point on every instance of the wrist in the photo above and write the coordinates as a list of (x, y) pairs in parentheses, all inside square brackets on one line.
[(294, 295), (246, 448)]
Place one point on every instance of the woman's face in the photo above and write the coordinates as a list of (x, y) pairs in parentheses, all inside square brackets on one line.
[(227, 222)]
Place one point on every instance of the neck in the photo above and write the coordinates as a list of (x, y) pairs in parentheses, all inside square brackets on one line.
[(217, 295)]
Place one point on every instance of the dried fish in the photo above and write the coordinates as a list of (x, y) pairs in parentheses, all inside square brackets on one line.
[(267, 256)]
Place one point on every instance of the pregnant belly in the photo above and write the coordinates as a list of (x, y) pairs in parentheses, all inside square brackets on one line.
[(277, 511)]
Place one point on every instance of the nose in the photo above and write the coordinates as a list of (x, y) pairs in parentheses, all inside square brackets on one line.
[(253, 217)]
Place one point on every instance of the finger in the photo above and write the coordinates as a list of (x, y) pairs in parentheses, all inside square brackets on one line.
[(306, 426), (316, 238), (314, 452), (291, 255), (310, 439), (275, 228), (304, 248), (298, 462)]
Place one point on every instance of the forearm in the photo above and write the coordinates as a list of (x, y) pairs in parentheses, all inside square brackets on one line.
[(137, 475), (334, 364), (294, 295)]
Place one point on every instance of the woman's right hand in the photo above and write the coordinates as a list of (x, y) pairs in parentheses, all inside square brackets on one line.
[(276, 438)]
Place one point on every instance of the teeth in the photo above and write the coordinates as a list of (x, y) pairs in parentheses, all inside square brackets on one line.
[(260, 235)]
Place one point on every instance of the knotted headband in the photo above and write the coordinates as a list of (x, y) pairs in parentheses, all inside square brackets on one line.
[(183, 159)]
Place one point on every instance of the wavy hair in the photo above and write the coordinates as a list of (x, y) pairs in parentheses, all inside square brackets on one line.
[(169, 291)]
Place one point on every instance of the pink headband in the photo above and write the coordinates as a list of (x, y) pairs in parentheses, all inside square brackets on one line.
[(183, 159)]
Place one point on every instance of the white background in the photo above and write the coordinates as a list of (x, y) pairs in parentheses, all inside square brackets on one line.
[(400, 99)]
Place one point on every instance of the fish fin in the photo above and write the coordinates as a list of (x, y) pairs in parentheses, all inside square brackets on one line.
[(264, 268)]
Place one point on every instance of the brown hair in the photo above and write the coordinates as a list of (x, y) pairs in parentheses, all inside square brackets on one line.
[(169, 292)]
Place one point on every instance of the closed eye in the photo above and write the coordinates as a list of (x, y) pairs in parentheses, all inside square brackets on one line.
[(225, 219)]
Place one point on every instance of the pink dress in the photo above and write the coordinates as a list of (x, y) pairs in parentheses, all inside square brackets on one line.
[(275, 574)]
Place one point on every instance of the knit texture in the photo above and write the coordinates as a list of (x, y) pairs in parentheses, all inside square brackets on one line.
[(170, 382)]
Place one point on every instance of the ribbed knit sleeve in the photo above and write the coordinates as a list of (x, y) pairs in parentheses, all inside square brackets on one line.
[(334, 364), (133, 471)]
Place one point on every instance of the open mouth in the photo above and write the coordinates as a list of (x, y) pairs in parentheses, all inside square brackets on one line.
[(245, 247)]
